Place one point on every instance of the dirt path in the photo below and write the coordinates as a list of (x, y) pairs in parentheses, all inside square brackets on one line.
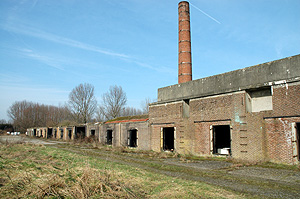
[(256, 181)]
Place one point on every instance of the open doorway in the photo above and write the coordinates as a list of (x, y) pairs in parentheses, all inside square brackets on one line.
[(61, 133), (109, 137), (70, 133), (49, 133), (132, 138), (93, 132), (80, 132), (168, 139), (221, 140)]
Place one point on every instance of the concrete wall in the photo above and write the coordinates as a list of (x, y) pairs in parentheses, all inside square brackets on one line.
[(120, 133), (287, 69)]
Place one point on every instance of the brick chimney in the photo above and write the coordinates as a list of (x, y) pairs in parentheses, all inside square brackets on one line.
[(184, 45)]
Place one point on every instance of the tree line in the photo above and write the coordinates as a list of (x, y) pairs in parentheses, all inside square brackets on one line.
[(82, 107)]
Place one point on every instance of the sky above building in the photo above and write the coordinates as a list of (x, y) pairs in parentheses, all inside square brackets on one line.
[(48, 47)]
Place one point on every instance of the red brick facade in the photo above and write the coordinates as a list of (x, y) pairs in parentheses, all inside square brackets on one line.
[(255, 136)]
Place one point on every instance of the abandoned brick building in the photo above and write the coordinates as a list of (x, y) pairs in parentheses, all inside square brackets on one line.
[(251, 114)]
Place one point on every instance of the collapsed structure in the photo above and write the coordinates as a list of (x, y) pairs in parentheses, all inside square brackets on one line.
[(251, 114)]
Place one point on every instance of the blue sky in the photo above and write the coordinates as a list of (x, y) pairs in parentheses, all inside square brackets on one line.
[(47, 47)]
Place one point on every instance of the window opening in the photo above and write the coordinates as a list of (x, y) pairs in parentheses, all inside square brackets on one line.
[(221, 140), (109, 137), (93, 132), (168, 139), (132, 138)]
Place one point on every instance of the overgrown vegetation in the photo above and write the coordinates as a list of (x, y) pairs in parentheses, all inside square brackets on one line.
[(37, 171)]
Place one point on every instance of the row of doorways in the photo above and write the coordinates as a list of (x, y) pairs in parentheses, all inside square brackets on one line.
[(132, 137), (220, 139)]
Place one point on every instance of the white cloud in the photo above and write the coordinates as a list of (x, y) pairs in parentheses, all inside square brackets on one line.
[(34, 32)]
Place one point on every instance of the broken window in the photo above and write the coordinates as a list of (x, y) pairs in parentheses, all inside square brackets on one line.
[(168, 139), (109, 137), (221, 140), (132, 138)]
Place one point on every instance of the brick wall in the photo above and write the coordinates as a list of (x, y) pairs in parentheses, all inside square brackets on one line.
[(254, 138)]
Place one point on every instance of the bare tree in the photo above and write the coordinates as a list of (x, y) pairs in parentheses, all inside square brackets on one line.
[(82, 102), (112, 103), (26, 114), (145, 105), (131, 111)]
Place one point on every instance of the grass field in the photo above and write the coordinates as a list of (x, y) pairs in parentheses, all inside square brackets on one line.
[(38, 171)]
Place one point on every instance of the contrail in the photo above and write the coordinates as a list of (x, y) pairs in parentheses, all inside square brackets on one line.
[(206, 14)]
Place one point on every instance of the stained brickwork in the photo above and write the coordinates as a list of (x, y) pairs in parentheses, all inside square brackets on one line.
[(255, 136)]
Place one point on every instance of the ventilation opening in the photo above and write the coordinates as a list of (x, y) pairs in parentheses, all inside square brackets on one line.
[(109, 137), (298, 140), (259, 99), (49, 133), (221, 140), (80, 132), (168, 139), (70, 133), (132, 138), (93, 132)]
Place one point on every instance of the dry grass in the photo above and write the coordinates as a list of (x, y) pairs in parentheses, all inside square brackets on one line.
[(31, 171), (37, 171)]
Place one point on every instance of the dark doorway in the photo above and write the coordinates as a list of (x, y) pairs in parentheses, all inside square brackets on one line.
[(221, 140), (80, 132), (55, 132), (34, 132), (93, 132), (109, 137), (298, 139), (132, 138), (49, 133), (61, 133), (70, 133), (168, 139)]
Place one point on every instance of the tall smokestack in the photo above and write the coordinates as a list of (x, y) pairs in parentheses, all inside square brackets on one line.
[(184, 46)]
